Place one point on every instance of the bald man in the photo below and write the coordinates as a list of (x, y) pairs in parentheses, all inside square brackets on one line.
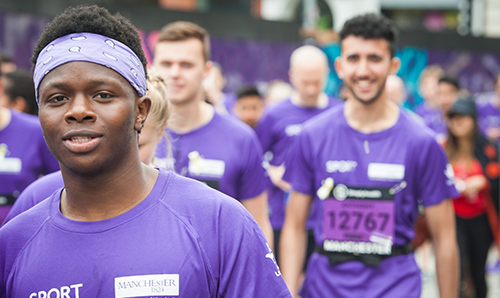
[(282, 121), (395, 89)]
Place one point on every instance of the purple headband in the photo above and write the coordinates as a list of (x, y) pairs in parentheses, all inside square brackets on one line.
[(94, 48)]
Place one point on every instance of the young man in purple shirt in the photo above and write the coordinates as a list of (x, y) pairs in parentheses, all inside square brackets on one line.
[(214, 148), (365, 167), (120, 228), (281, 122)]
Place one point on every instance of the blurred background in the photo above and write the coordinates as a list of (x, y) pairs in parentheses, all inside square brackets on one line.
[(253, 39)]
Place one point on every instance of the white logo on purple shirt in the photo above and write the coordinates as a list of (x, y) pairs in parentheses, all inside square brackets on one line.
[(270, 256), (72, 291), (147, 285), (449, 174), (293, 129), (341, 166)]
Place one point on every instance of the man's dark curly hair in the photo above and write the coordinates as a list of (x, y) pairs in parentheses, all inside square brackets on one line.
[(91, 19), (371, 26)]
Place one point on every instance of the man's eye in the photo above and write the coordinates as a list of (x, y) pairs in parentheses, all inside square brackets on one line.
[(104, 96), (57, 99)]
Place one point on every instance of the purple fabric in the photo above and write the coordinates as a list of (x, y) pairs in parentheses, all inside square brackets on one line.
[(190, 238), (405, 158), (36, 192), (229, 157), (276, 129), (93, 48), (26, 156), (488, 115), (434, 119)]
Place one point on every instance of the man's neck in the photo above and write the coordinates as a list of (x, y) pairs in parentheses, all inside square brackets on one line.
[(320, 102), (190, 116), (371, 118), (104, 196)]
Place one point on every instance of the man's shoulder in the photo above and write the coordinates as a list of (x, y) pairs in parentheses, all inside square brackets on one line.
[(193, 199), (15, 234), (329, 119), (230, 128), (416, 129)]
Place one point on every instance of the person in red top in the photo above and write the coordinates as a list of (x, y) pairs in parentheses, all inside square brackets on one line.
[(475, 165)]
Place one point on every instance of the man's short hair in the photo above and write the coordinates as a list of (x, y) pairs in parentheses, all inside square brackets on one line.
[(19, 83), (371, 26), (180, 31), (248, 91), (450, 80)]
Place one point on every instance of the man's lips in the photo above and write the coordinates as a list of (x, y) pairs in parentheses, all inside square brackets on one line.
[(82, 142)]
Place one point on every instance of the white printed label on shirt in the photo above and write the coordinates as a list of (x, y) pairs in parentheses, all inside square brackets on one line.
[(11, 165), (206, 167), (156, 285), (386, 171)]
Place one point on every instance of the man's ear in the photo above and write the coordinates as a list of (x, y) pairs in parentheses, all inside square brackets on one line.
[(338, 67), (208, 66), (395, 65), (143, 106)]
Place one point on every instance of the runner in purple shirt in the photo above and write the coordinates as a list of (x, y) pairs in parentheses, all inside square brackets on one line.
[(281, 122), (24, 156), (121, 228), (366, 166), (216, 149)]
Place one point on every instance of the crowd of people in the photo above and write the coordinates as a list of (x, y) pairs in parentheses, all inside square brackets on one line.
[(118, 179)]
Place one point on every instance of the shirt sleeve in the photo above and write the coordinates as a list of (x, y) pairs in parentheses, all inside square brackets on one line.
[(299, 165), (247, 265), (264, 132), (435, 176), (253, 179)]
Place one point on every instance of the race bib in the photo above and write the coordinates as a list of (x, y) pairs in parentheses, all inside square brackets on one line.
[(359, 220)]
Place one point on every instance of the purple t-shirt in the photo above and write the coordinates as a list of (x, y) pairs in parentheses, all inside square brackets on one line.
[(24, 156), (182, 240), (225, 154), (488, 116), (276, 129), (433, 118), (36, 192), (370, 186)]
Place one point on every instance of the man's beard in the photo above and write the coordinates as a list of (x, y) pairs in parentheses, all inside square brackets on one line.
[(371, 100)]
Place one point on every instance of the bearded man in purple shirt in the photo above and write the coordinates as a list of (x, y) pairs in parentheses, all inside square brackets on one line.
[(366, 167), (120, 228)]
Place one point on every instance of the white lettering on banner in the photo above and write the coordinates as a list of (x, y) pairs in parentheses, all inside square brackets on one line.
[(341, 166), (357, 247), (147, 285), (73, 291), (386, 171)]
